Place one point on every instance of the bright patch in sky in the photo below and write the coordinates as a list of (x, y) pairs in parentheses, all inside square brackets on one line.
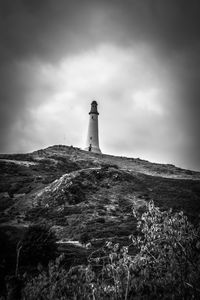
[(129, 92), (149, 101), (124, 87)]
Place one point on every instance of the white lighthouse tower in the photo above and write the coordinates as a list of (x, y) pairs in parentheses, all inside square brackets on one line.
[(92, 143)]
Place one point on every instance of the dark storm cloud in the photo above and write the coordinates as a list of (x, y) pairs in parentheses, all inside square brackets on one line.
[(49, 31), (50, 28)]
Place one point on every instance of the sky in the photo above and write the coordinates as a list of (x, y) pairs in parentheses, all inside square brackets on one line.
[(139, 59)]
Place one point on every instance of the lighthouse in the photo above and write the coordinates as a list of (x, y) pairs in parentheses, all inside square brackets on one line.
[(92, 143)]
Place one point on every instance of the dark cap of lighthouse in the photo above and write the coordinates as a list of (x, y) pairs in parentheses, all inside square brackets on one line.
[(93, 109)]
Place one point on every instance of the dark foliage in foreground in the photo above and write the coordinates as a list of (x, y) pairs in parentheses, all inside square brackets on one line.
[(38, 245), (166, 266)]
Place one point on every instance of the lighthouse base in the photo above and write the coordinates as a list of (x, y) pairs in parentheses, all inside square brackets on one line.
[(93, 149)]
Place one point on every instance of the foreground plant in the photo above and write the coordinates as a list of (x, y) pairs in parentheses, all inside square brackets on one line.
[(168, 259), (167, 265)]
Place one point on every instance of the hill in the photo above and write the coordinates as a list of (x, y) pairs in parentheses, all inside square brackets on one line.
[(85, 196)]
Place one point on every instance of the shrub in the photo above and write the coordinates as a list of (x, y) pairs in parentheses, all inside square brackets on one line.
[(167, 263), (56, 283), (6, 259), (107, 166), (76, 194), (38, 245)]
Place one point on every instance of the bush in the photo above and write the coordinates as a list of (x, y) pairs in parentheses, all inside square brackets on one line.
[(38, 246), (106, 166), (76, 194), (6, 260), (57, 283), (167, 263)]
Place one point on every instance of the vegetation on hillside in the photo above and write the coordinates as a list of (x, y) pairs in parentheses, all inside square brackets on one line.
[(165, 265), (88, 198), (37, 246)]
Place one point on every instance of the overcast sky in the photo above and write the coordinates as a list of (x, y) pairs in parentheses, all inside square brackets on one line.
[(139, 59)]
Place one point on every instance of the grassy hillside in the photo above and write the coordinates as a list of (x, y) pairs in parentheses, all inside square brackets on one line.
[(78, 192), (87, 198)]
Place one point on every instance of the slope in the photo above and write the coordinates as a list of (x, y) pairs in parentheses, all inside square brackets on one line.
[(89, 197)]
